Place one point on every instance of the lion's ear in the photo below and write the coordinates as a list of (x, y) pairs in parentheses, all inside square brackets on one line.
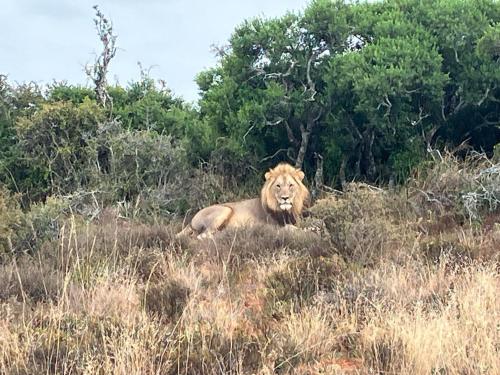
[(267, 176), (300, 175)]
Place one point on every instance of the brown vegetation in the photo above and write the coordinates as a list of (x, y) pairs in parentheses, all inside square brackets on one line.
[(383, 288)]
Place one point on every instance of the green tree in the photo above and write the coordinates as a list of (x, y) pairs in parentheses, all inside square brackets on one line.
[(267, 95), (370, 86)]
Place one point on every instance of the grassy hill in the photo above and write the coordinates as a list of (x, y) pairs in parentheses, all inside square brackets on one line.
[(399, 281)]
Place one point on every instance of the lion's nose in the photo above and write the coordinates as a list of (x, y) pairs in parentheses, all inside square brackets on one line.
[(285, 198)]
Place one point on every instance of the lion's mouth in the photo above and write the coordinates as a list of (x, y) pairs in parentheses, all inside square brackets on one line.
[(286, 206)]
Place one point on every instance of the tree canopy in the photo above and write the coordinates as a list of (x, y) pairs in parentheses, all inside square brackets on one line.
[(370, 86)]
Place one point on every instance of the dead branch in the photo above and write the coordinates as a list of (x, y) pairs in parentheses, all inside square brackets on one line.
[(98, 72)]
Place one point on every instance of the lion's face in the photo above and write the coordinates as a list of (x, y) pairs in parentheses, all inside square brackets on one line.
[(284, 190)]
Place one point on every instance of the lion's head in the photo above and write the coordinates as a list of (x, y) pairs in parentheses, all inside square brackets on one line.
[(283, 192)]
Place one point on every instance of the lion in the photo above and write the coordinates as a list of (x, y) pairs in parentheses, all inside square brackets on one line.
[(282, 199)]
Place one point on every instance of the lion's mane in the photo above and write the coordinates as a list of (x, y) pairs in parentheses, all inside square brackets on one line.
[(268, 200)]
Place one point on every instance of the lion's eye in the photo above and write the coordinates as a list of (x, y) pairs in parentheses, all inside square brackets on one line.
[(278, 186), (291, 186)]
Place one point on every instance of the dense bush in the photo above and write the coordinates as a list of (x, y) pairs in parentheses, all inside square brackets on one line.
[(54, 141), (364, 224), (370, 86), (10, 220), (25, 232)]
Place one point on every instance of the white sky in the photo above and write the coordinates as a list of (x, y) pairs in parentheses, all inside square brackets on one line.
[(43, 40)]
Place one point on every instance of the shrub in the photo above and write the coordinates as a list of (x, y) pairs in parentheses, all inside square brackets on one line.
[(27, 231), (41, 223), (54, 140), (458, 189), (167, 299), (144, 170), (363, 224), (11, 218)]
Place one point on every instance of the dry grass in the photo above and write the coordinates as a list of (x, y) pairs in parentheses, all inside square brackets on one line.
[(383, 290)]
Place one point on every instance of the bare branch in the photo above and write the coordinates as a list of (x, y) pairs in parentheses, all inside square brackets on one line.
[(98, 72), (421, 117), (291, 136), (248, 132), (442, 110), (311, 86), (354, 127), (274, 123), (282, 75), (276, 153), (386, 103), (460, 105), (485, 96)]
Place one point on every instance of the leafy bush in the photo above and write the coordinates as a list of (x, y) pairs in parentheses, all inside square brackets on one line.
[(145, 171), (11, 218), (41, 223), (22, 232), (54, 141), (131, 161)]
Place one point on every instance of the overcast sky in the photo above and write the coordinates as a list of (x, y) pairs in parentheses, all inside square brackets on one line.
[(43, 40)]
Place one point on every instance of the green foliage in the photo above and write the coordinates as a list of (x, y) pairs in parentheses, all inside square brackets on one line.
[(15, 101), (22, 232), (143, 105), (10, 220), (368, 85), (54, 142), (41, 223), (372, 87), (488, 47), (67, 93), (131, 162)]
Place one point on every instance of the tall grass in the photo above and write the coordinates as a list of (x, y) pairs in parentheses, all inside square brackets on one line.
[(384, 289)]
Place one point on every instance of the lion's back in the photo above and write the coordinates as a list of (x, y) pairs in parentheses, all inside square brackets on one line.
[(247, 212)]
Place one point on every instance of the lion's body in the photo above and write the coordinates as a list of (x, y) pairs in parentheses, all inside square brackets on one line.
[(281, 202)]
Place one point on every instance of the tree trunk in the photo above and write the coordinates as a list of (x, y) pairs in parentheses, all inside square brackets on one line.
[(305, 134), (370, 167), (318, 177), (343, 166), (304, 142)]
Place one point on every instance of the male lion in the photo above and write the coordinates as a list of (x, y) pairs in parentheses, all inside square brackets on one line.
[(281, 201)]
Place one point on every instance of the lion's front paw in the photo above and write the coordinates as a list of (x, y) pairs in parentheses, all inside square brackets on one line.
[(205, 235)]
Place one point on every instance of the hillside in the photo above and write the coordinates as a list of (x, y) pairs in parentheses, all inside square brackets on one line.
[(396, 281)]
